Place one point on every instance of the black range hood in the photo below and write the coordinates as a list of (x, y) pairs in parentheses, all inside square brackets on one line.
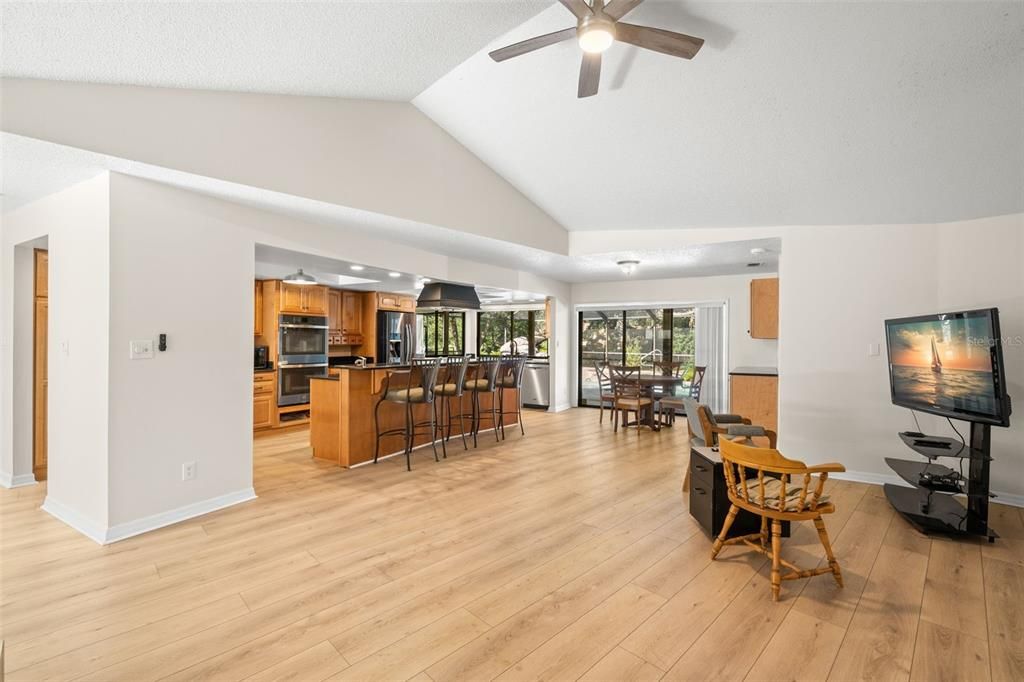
[(446, 296)]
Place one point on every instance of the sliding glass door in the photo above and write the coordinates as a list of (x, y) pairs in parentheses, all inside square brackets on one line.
[(633, 337)]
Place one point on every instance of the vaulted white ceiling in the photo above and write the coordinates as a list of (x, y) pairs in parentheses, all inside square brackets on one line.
[(372, 50), (792, 113)]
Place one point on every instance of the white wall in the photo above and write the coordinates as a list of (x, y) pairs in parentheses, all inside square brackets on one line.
[(76, 220), (384, 157), (178, 272), (838, 285)]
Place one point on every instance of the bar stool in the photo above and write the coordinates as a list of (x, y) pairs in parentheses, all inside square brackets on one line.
[(448, 389), (408, 387), (511, 376), (484, 380)]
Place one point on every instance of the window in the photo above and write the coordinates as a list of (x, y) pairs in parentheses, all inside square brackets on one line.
[(442, 333), (635, 337), (497, 330)]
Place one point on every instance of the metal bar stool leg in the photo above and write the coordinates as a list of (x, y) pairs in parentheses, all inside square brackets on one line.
[(409, 433), (462, 423), (494, 417), (501, 410), (519, 410)]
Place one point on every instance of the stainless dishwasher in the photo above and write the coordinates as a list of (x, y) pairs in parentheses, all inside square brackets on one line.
[(537, 384)]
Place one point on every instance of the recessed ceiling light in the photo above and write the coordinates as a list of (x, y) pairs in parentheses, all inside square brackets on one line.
[(426, 280), (394, 274), (628, 267), (357, 268), (757, 251)]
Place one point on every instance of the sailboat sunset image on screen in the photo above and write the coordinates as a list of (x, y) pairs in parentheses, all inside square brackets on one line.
[(943, 364)]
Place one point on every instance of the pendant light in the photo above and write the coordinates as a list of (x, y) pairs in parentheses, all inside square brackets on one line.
[(299, 278)]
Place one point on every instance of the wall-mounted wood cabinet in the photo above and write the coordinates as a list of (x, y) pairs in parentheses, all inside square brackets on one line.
[(396, 302), (345, 317), (764, 308), (257, 326), (303, 299), (351, 313)]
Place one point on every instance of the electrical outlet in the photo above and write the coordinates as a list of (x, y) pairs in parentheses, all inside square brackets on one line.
[(188, 471)]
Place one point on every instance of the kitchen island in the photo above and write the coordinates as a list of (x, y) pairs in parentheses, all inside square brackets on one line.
[(341, 415)]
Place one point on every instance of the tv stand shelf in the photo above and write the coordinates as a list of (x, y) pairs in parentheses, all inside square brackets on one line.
[(936, 511), (954, 447)]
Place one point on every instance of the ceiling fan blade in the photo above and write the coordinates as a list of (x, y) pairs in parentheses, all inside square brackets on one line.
[(617, 9), (577, 7), (532, 44), (659, 40), (590, 74)]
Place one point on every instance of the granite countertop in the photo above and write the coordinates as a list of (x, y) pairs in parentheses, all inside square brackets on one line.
[(756, 371), (401, 367), (326, 378)]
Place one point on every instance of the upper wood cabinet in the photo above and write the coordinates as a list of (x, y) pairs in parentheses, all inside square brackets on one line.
[(764, 308), (257, 326), (351, 312), (303, 299), (334, 310), (405, 304)]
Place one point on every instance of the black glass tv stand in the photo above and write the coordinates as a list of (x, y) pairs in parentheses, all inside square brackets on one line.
[(930, 505)]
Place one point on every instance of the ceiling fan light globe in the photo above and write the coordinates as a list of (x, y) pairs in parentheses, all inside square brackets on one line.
[(596, 40)]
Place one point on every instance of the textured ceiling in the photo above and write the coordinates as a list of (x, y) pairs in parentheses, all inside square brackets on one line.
[(793, 113), (372, 50)]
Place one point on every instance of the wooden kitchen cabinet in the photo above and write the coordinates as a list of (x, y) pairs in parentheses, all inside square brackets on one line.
[(755, 397), (303, 299), (334, 314), (257, 326), (396, 302), (764, 308), (264, 400), (351, 313)]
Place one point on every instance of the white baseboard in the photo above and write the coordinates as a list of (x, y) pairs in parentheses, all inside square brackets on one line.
[(8, 481), (881, 479), (70, 517), (122, 531)]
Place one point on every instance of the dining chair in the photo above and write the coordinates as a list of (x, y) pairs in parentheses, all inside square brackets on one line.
[(604, 381), (629, 397), (674, 403), (764, 482)]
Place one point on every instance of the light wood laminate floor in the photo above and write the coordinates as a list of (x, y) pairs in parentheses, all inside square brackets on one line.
[(567, 554)]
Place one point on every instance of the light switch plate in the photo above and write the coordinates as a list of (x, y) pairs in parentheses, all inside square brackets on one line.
[(141, 349), (874, 349)]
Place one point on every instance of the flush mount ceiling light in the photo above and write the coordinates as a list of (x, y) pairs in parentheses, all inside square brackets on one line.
[(357, 268), (758, 251), (299, 278), (598, 25), (394, 274), (628, 267)]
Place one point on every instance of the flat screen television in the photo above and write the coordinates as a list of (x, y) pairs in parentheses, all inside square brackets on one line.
[(949, 364)]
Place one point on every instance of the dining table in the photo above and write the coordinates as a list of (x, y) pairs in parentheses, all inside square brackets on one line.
[(650, 383)]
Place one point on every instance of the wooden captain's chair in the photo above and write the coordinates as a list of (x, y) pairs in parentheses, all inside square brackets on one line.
[(763, 482), (706, 429)]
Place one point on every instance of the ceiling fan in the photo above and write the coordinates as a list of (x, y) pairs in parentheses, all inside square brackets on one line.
[(597, 26)]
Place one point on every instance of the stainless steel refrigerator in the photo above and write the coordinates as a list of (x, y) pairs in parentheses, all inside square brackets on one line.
[(396, 337)]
